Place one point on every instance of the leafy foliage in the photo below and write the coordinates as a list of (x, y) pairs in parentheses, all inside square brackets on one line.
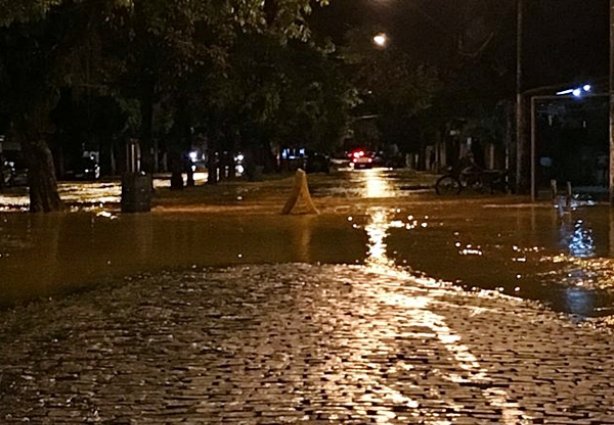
[(159, 53), (394, 86)]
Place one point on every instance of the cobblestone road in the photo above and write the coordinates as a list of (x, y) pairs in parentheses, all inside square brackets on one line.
[(299, 344)]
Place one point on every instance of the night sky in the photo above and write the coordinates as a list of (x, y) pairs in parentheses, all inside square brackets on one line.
[(564, 40)]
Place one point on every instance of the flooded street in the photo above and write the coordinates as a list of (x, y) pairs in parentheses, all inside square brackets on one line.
[(562, 258), (392, 306)]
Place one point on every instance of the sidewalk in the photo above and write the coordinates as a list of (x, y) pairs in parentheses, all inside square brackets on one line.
[(294, 343)]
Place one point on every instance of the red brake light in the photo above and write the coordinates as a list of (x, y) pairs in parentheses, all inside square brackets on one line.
[(358, 153)]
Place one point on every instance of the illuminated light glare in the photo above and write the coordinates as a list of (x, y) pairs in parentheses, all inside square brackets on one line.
[(106, 214), (577, 92), (469, 251), (377, 186), (380, 39), (581, 243), (377, 231), (397, 224)]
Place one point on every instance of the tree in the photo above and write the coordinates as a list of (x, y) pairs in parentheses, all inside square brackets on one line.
[(283, 95), (46, 46), (394, 86), (165, 40)]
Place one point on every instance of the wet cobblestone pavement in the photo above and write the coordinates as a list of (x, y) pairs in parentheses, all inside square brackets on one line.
[(295, 343)]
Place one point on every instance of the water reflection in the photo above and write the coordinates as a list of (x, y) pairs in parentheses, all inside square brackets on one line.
[(524, 250), (377, 228), (83, 193), (46, 254), (377, 184), (579, 300), (416, 310), (578, 239)]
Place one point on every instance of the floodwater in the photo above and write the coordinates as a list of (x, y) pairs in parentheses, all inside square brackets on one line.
[(564, 258)]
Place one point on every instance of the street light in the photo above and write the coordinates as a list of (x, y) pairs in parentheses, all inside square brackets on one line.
[(577, 91), (380, 39)]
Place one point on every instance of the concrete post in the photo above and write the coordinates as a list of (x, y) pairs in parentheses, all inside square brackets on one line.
[(300, 191)]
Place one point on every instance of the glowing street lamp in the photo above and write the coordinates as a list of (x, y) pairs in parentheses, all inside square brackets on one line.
[(380, 39), (577, 92)]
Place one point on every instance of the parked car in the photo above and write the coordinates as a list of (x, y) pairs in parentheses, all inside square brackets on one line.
[(361, 158)]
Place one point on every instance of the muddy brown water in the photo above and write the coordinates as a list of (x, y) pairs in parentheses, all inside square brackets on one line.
[(563, 258)]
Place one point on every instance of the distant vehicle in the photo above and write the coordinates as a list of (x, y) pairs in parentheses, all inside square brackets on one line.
[(361, 158), (340, 159)]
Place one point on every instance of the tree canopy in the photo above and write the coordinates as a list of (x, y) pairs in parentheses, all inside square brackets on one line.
[(160, 54)]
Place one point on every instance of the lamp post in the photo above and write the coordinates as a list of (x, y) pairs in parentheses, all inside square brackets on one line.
[(519, 98)]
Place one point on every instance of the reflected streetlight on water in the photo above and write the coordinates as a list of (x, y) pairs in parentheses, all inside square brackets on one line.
[(377, 185), (416, 310)]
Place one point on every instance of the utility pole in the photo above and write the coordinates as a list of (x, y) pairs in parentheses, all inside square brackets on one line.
[(520, 145), (611, 97)]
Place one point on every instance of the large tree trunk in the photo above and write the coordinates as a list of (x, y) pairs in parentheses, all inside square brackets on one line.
[(30, 129), (44, 195)]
